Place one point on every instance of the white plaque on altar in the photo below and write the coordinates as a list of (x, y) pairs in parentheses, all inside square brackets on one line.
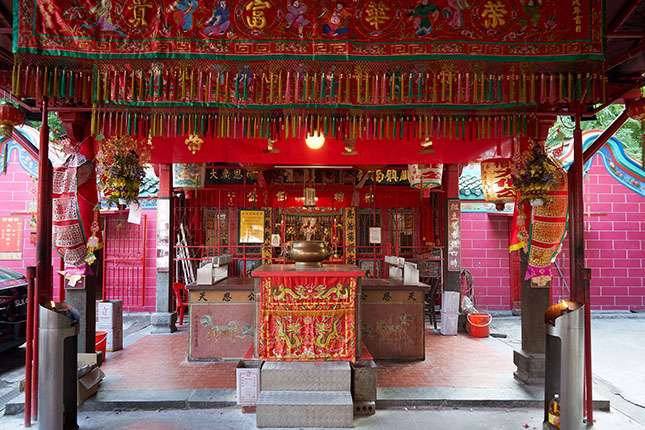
[(248, 385), (375, 235)]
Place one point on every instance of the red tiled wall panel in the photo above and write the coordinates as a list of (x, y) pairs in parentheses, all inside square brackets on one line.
[(485, 254), (614, 249)]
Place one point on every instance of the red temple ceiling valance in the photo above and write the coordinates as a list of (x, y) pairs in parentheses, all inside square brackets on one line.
[(405, 54), (268, 72), (373, 30)]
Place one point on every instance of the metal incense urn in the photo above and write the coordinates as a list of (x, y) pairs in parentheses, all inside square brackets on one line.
[(307, 253)]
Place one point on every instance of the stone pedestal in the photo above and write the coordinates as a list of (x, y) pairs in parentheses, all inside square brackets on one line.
[(530, 359), (530, 368), (84, 301)]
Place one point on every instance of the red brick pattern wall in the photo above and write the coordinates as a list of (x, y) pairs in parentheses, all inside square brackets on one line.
[(15, 195), (614, 249), (614, 243), (484, 252)]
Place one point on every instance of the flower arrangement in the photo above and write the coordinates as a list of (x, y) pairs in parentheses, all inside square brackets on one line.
[(534, 174), (121, 162)]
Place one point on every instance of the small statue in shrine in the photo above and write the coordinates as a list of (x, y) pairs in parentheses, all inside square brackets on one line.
[(309, 227)]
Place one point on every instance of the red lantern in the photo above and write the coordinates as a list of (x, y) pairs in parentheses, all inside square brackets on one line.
[(10, 117), (497, 182), (636, 109)]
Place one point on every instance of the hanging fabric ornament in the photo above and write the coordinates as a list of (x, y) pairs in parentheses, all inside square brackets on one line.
[(425, 176)]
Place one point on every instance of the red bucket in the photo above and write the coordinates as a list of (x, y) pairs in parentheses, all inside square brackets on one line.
[(479, 324), (101, 342)]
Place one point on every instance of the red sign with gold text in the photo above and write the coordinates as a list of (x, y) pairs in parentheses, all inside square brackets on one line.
[(11, 238)]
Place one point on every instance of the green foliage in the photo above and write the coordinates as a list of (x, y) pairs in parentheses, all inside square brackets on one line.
[(56, 129), (630, 134)]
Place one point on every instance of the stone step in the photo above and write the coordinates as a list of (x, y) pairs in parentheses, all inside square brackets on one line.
[(306, 376), (305, 409)]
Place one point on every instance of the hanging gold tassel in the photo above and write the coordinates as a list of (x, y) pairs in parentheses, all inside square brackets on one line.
[(348, 78)]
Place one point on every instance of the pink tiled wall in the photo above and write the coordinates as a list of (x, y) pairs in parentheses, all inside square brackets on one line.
[(484, 252), (15, 195), (614, 243), (614, 248)]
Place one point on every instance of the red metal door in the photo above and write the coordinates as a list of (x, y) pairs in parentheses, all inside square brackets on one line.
[(125, 261)]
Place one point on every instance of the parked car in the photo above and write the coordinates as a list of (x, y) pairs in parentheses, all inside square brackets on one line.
[(13, 309)]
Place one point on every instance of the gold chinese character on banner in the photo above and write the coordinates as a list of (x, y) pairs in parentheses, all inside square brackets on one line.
[(377, 14), (281, 196), (253, 196), (138, 8), (339, 197), (194, 143), (213, 174), (391, 175), (494, 14), (258, 18)]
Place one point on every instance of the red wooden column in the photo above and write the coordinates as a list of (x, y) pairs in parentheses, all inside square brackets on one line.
[(579, 278), (451, 278), (83, 296), (44, 224)]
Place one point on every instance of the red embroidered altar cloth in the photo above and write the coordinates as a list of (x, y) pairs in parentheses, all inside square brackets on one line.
[(308, 317)]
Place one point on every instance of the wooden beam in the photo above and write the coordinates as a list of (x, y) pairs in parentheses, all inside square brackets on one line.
[(626, 56), (4, 14), (624, 35), (26, 145), (623, 16)]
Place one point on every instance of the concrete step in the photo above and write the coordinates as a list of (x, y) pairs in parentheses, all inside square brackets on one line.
[(306, 376), (305, 409)]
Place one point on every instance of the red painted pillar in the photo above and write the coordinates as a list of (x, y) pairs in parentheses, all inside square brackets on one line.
[(579, 278), (29, 352), (44, 224)]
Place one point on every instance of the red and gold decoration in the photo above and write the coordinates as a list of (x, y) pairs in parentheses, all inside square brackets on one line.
[(121, 163), (307, 318), (497, 182), (636, 109), (10, 117), (544, 30), (323, 86), (279, 125), (534, 174), (547, 231), (350, 235), (246, 53)]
